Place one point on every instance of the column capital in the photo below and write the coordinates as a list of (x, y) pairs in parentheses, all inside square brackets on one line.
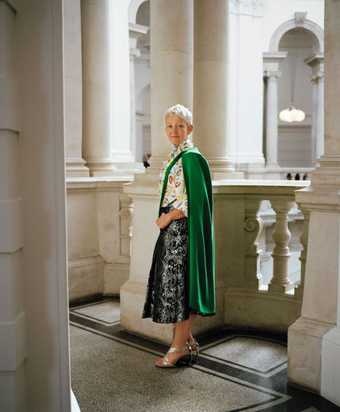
[(271, 64), (272, 74), (316, 62), (272, 60)]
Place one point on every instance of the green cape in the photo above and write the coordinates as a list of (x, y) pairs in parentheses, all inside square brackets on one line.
[(201, 248)]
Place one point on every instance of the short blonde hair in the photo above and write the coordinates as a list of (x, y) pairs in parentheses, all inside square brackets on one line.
[(180, 111)]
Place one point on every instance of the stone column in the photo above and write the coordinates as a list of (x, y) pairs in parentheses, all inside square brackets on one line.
[(210, 84), (12, 315), (136, 31), (171, 67), (272, 73), (272, 119), (314, 339), (97, 71), (75, 164), (122, 140), (317, 65)]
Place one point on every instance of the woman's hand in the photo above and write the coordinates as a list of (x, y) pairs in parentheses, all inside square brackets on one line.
[(164, 220)]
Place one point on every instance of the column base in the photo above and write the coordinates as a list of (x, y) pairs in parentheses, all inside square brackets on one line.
[(305, 340), (102, 168), (330, 370), (156, 163), (223, 169), (129, 167), (75, 167), (110, 168), (226, 175)]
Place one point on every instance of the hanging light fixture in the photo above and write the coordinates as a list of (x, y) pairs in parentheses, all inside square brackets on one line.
[(291, 114)]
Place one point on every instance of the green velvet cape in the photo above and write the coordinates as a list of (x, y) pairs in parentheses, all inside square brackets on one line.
[(201, 247)]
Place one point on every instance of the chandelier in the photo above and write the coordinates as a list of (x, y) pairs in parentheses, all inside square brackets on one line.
[(291, 114)]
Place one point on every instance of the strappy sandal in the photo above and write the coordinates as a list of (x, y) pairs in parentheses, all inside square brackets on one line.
[(194, 347), (186, 359)]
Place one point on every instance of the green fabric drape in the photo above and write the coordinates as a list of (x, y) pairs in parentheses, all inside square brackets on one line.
[(201, 247)]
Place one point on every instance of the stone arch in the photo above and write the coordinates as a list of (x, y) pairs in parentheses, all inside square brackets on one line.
[(133, 9), (306, 24)]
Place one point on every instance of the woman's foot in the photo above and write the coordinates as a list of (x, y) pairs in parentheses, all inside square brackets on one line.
[(193, 347), (174, 356)]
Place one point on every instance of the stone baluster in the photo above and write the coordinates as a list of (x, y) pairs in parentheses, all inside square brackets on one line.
[(281, 237), (253, 226)]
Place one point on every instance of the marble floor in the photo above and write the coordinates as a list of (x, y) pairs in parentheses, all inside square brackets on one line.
[(113, 370)]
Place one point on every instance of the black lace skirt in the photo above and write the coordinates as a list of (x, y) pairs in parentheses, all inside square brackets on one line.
[(166, 296)]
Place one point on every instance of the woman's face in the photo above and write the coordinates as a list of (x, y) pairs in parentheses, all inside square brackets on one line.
[(176, 129)]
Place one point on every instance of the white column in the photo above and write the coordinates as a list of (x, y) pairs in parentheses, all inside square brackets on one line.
[(97, 70), (171, 67), (136, 31), (245, 87), (39, 37), (272, 119), (330, 353), (317, 332), (271, 63), (12, 315), (120, 93), (210, 84), (75, 164), (320, 129), (316, 63)]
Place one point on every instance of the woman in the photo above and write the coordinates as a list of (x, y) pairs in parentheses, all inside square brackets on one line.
[(181, 282)]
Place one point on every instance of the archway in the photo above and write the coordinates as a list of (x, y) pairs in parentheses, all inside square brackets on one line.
[(294, 45)]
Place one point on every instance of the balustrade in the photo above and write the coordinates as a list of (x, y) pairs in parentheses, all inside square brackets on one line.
[(271, 228)]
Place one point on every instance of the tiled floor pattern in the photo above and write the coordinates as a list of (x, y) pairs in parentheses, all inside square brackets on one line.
[(244, 372)]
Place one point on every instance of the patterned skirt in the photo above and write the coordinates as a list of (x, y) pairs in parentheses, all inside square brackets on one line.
[(166, 296)]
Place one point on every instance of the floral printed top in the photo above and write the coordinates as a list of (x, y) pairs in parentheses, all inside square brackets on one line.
[(175, 194)]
